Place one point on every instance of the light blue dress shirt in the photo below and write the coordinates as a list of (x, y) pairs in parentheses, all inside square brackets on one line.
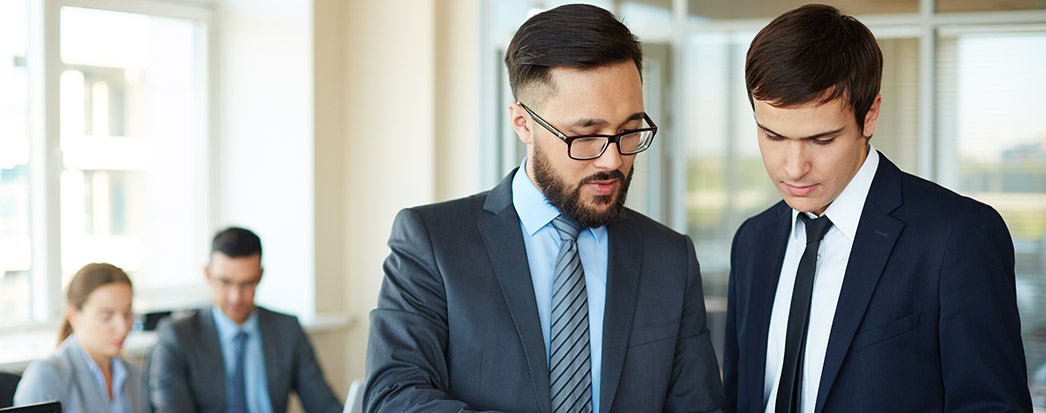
[(118, 404), (542, 243), (255, 382)]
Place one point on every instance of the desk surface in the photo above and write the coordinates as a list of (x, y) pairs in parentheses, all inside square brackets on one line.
[(18, 349)]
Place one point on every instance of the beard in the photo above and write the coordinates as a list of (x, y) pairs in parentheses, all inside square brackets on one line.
[(568, 200)]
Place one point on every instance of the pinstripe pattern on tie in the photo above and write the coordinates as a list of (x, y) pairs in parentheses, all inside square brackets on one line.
[(236, 400), (570, 368)]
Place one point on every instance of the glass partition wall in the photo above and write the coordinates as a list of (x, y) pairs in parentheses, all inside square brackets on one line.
[(962, 88)]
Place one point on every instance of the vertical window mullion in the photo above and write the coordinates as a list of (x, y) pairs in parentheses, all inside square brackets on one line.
[(42, 62), (927, 91)]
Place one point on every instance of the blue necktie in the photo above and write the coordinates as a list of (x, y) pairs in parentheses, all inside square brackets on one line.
[(570, 368), (236, 398), (790, 391)]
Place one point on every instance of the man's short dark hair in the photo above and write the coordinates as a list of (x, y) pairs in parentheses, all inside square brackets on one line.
[(575, 35), (815, 54), (236, 242)]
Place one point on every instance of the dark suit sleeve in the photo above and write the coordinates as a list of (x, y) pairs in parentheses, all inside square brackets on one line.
[(695, 385), (730, 349), (309, 383), (982, 356), (406, 366), (167, 375)]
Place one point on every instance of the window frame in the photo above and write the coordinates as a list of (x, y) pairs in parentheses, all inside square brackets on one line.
[(44, 67), (667, 162)]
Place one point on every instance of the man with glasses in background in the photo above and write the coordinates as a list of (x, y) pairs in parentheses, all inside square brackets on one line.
[(546, 294), (236, 356)]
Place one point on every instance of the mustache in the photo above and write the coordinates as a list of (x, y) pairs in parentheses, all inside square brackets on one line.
[(602, 176)]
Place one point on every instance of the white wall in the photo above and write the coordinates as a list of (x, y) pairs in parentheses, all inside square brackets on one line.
[(411, 95), (264, 151), (335, 115)]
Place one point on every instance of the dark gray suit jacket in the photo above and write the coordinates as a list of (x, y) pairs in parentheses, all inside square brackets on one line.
[(187, 374), (457, 329)]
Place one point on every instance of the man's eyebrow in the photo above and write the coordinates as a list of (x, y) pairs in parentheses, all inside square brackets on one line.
[(585, 123), (815, 136)]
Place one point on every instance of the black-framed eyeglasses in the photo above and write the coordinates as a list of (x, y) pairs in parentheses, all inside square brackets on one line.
[(587, 147)]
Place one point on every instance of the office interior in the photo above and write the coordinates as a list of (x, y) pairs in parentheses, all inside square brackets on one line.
[(132, 130)]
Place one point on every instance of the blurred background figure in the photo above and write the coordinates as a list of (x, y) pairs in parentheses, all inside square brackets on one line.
[(265, 354), (86, 373)]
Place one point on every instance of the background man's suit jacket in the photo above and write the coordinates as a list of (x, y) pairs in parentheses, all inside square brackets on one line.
[(457, 325), (65, 376), (187, 374), (927, 318)]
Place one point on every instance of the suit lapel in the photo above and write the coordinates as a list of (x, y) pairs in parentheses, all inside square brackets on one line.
[(269, 340), (84, 379), (877, 233), (503, 239), (211, 348), (765, 277), (623, 272)]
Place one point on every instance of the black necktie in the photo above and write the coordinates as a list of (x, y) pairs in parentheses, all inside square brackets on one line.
[(789, 392)]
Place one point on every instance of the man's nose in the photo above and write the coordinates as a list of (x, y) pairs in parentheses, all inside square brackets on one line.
[(610, 159)]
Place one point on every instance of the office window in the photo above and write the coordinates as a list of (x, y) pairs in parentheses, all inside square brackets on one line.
[(103, 149), (988, 5), (713, 10), (15, 250), (131, 140), (962, 105), (991, 133)]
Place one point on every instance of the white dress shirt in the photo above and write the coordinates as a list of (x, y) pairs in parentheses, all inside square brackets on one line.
[(832, 257)]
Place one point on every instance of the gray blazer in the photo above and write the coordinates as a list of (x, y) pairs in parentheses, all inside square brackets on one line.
[(186, 371), (457, 328), (65, 376)]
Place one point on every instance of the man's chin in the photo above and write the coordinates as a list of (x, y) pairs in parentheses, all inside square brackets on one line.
[(599, 206), (803, 204), (600, 203)]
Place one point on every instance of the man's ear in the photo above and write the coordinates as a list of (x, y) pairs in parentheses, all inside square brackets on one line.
[(520, 121), (872, 116)]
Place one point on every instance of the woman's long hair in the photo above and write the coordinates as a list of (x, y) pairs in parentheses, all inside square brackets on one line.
[(88, 279)]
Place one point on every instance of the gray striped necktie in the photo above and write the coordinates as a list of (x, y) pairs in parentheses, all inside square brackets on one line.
[(570, 369)]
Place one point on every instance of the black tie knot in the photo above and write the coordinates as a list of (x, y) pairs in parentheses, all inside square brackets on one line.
[(815, 227)]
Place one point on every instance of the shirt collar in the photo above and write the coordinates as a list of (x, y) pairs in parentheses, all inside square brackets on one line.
[(227, 329), (534, 210), (845, 211), (118, 370)]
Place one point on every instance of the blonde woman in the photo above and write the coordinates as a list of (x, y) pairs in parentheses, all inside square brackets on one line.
[(86, 373)]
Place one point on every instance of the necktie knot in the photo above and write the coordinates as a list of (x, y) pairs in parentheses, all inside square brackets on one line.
[(240, 338), (816, 228), (567, 230)]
